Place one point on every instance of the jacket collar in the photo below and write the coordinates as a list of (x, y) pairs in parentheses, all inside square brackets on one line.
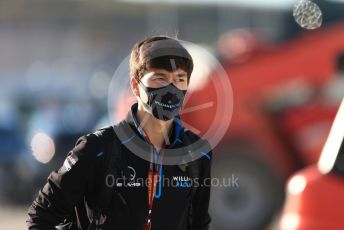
[(185, 147), (177, 127)]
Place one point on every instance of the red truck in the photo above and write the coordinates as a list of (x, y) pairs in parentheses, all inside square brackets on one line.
[(284, 101)]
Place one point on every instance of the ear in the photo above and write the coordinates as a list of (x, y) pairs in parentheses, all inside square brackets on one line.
[(134, 86)]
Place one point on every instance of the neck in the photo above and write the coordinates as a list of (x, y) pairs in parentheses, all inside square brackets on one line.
[(157, 130)]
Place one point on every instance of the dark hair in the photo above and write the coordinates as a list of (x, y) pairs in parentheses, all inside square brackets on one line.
[(159, 52)]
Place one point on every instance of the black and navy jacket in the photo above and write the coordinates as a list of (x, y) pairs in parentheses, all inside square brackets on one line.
[(77, 179)]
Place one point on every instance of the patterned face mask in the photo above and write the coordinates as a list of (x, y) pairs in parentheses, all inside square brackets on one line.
[(163, 103)]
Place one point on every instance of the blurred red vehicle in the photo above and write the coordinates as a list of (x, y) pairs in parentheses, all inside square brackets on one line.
[(315, 195), (285, 99)]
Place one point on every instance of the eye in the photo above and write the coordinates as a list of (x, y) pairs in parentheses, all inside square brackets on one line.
[(158, 77), (181, 79)]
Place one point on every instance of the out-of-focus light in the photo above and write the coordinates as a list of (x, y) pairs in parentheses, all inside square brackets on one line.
[(43, 147), (296, 185), (333, 143), (239, 45), (290, 221), (307, 14)]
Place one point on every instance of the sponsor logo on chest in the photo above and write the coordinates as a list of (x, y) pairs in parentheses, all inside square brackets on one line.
[(182, 181)]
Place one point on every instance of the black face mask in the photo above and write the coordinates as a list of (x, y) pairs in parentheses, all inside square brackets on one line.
[(163, 103)]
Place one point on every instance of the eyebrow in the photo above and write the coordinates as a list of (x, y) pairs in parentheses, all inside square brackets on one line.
[(182, 74)]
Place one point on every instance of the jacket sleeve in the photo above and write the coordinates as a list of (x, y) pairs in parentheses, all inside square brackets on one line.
[(200, 203), (64, 188)]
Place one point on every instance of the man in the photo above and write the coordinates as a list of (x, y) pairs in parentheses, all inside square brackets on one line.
[(151, 139)]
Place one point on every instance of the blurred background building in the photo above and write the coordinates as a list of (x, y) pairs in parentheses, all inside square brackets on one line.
[(57, 60)]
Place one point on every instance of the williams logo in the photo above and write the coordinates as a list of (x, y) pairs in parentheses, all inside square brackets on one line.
[(182, 181)]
